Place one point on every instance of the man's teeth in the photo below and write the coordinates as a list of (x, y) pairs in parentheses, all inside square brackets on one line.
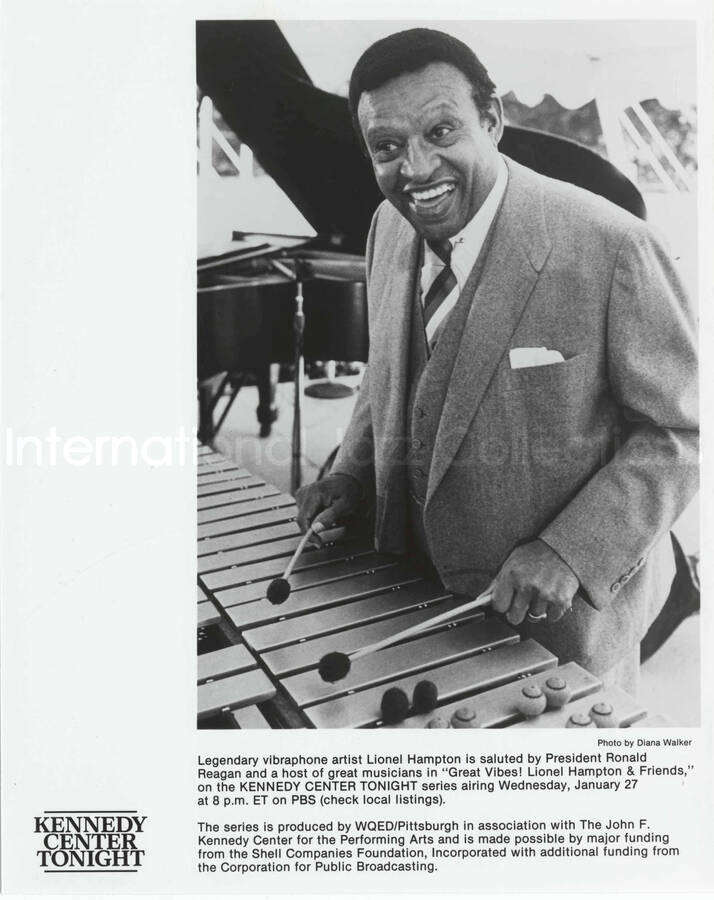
[(432, 192)]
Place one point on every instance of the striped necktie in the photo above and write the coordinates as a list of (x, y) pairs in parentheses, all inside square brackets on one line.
[(441, 288)]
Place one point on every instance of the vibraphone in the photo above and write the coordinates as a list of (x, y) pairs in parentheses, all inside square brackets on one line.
[(257, 661)]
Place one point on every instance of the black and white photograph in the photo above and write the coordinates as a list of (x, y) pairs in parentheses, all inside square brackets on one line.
[(353, 517), (447, 330)]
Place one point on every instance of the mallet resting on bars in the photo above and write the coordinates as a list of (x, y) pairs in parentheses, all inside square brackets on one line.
[(279, 588), (335, 666)]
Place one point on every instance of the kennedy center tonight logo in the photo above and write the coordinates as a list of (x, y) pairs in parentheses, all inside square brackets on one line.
[(90, 840)]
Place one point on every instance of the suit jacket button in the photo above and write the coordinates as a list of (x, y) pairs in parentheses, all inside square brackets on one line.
[(418, 411), (417, 444)]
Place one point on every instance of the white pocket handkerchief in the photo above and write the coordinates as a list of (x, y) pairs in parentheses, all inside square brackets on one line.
[(526, 357)]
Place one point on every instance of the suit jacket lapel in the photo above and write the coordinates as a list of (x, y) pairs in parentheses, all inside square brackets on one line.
[(519, 247), (395, 285)]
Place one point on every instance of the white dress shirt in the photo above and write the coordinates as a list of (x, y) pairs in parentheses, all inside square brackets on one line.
[(466, 246)]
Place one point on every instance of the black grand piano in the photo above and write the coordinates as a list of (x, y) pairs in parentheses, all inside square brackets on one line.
[(302, 137)]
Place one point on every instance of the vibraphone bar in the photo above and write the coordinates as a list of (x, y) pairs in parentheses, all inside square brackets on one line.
[(257, 664)]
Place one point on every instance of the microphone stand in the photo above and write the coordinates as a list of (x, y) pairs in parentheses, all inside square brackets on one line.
[(299, 332)]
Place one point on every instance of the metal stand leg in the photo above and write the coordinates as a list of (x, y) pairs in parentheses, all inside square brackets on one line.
[(205, 413), (299, 330), (329, 389), (267, 381)]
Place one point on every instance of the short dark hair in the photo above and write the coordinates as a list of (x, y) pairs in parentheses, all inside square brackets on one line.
[(410, 51)]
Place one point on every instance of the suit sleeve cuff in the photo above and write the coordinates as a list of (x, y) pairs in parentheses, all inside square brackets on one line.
[(591, 584)]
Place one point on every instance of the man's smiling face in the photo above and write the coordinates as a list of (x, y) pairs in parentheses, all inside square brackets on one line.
[(434, 155)]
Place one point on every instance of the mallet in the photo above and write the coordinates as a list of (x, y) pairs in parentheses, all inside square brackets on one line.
[(279, 588), (335, 666)]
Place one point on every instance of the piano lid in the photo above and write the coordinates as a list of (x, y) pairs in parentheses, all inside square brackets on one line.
[(303, 138)]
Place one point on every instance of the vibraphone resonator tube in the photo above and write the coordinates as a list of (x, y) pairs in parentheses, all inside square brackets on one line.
[(438, 722), (464, 717), (531, 701), (557, 692), (580, 720), (603, 715)]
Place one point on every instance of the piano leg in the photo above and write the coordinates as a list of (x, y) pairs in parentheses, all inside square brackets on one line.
[(206, 432), (208, 398), (266, 377), (267, 381)]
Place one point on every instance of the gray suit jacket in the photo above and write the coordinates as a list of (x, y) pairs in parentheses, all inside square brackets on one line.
[(596, 455)]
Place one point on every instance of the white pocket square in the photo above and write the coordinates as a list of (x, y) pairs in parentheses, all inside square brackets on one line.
[(526, 357)]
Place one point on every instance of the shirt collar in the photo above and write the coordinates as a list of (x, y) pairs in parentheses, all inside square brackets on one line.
[(468, 242)]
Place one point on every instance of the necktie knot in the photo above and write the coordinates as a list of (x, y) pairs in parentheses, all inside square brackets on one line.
[(442, 249)]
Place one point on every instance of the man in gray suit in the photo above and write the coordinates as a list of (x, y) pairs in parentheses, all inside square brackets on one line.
[(528, 418)]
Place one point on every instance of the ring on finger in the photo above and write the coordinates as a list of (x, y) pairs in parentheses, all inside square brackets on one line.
[(532, 618)]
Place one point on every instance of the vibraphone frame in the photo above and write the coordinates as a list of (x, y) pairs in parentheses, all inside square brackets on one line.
[(258, 668)]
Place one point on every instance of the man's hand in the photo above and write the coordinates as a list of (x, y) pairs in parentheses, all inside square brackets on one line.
[(328, 501), (534, 580)]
